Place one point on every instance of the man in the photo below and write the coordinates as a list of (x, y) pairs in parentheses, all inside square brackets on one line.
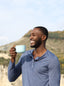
[(39, 67)]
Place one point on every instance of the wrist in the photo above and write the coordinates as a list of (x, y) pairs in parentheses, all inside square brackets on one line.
[(12, 60)]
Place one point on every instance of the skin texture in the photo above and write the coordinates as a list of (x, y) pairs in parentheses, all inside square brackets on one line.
[(37, 41), (13, 53), (41, 70), (37, 36)]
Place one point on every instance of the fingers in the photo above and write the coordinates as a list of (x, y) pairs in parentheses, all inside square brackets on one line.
[(13, 55), (13, 52), (13, 49), (14, 45)]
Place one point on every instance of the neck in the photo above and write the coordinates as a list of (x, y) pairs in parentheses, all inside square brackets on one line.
[(39, 51)]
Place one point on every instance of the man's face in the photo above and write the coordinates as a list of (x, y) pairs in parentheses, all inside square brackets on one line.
[(35, 38)]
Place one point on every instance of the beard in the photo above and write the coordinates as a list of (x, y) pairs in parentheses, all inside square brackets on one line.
[(37, 43)]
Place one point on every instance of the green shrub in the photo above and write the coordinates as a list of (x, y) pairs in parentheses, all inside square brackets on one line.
[(4, 61)]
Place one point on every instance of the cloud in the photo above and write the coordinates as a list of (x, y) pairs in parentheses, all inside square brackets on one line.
[(22, 15), (19, 11)]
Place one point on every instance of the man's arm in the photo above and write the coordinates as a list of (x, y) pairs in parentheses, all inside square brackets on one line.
[(14, 70), (54, 72)]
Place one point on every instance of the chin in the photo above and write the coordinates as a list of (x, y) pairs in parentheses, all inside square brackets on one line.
[(32, 46)]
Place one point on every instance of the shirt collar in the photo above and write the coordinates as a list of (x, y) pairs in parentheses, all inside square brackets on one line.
[(38, 58)]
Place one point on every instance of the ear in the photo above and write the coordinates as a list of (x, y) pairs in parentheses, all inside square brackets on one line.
[(43, 37)]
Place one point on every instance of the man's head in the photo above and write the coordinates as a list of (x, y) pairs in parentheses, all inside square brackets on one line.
[(38, 36)]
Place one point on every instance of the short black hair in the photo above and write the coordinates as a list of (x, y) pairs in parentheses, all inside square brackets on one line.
[(43, 30)]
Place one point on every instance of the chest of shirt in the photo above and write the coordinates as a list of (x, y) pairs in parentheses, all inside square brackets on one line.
[(40, 66)]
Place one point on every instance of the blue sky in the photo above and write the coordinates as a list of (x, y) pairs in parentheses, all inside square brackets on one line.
[(19, 16)]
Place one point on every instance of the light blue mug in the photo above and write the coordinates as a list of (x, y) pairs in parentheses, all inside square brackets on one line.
[(20, 48)]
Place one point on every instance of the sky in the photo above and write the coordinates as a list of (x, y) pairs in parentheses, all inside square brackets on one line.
[(17, 17)]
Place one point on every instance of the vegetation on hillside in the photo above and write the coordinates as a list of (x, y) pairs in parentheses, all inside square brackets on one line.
[(56, 35), (52, 35), (4, 61), (55, 44)]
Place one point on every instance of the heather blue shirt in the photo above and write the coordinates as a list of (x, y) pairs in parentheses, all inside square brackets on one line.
[(41, 71)]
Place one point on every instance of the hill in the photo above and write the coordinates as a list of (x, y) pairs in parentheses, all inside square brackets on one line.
[(55, 44)]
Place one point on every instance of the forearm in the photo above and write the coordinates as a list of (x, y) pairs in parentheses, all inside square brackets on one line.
[(11, 74), (13, 71), (12, 60)]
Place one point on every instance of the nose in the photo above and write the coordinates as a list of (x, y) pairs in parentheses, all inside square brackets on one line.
[(31, 37)]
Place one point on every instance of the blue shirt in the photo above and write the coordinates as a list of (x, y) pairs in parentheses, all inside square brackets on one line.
[(41, 71)]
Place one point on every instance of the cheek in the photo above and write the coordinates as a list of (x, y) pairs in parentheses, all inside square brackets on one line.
[(39, 41)]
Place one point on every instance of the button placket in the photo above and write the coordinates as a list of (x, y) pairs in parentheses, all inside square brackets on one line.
[(32, 63)]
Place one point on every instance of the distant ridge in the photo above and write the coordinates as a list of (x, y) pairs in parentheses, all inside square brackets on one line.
[(55, 42)]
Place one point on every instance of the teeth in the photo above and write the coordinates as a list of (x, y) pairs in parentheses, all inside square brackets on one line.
[(31, 41)]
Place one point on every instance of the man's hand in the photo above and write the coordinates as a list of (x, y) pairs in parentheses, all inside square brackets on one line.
[(13, 53)]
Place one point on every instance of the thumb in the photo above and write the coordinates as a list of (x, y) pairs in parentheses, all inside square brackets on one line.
[(14, 45)]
